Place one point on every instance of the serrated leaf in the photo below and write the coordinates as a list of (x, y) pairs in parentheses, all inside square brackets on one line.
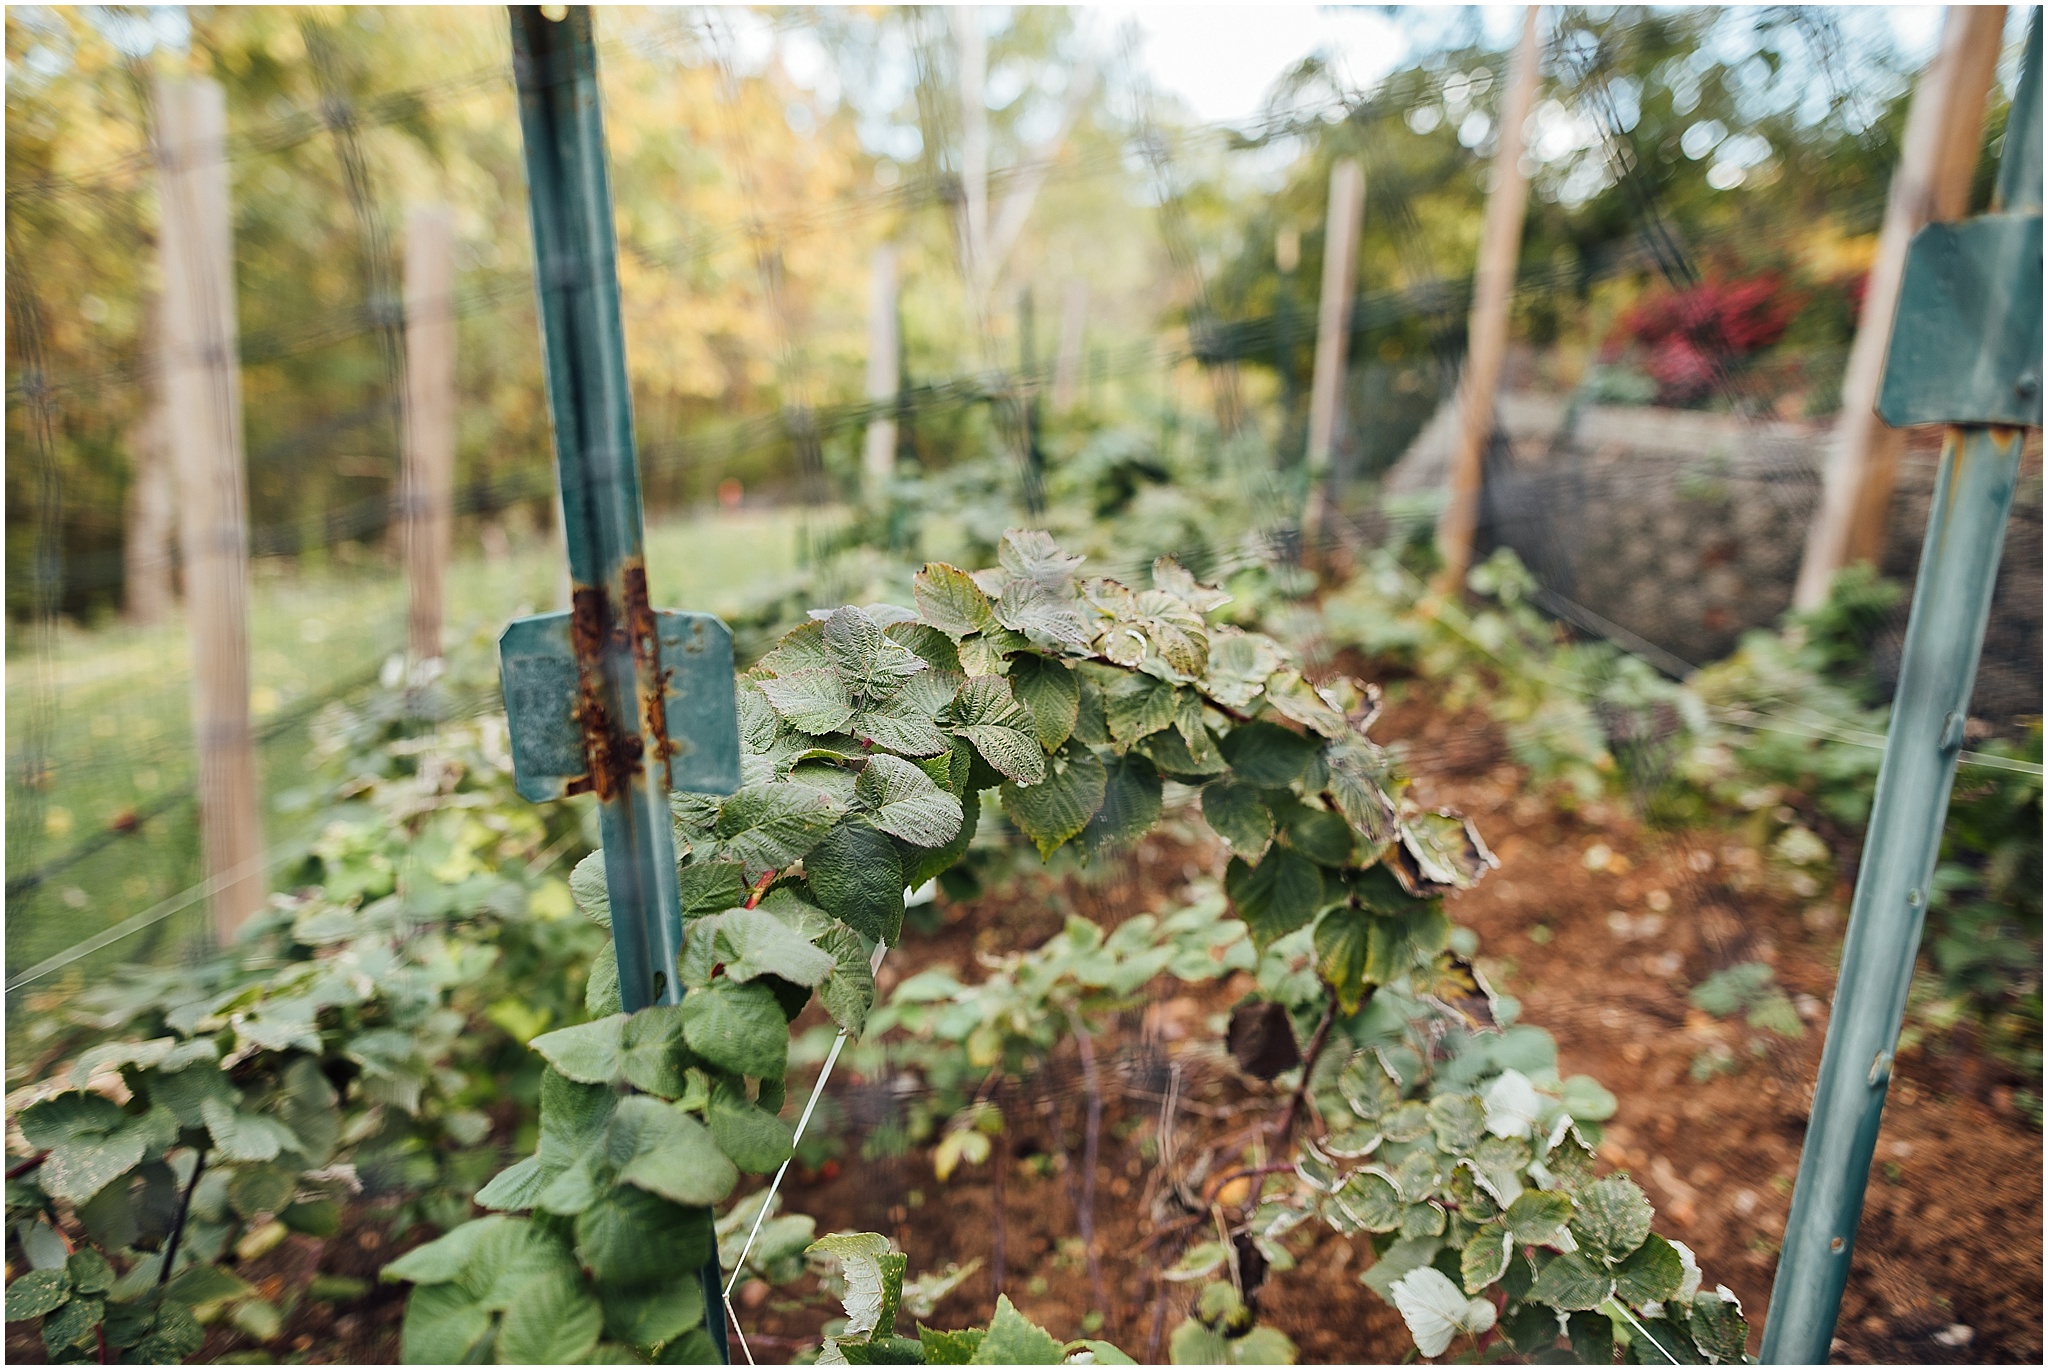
[(1280, 894), (260, 1189), (986, 713), (664, 1150), (241, 1136), (1613, 1218), (1485, 1257), (802, 648), (36, 1293), (1239, 664), (1459, 1121), (901, 724), (769, 826), (1592, 1338), (651, 1054), (1058, 807), (1014, 1339), (710, 887), (1538, 1217), (1291, 696), (1366, 1086), (1359, 777), (1239, 815), (1049, 618), (1407, 1122), (903, 801), (649, 1315), (556, 1321), (1651, 1273), (1138, 705), (950, 601), (1032, 554), (1445, 851), (857, 877), (601, 991), (1572, 1283), (587, 1053), (447, 1257), (931, 646), (516, 1188), (1343, 945), (1173, 578), (817, 701), (949, 1348), (587, 886), (70, 1324), (81, 1167), (849, 992), (1130, 805), (442, 1325), (1717, 1328), (572, 1116), (872, 664), (632, 1237), (754, 942), (1371, 1201), (756, 1140), (1267, 755), (740, 1028), (1052, 694)]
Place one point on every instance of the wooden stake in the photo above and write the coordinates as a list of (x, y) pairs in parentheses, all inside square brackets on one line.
[(878, 451), (1492, 289), (428, 484), (202, 379), (152, 495), (1066, 371), (1333, 333), (1937, 157)]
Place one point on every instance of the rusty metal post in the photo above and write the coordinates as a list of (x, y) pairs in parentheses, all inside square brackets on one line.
[(613, 688), (1965, 352)]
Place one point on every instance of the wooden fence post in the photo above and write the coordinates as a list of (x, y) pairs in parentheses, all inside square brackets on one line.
[(1333, 334), (202, 379), (150, 524), (1066, 371), (1937, 157), (1492, 290), (878, 451), (428, 485)]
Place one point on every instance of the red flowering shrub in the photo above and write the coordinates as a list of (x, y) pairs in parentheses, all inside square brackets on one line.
[(1690, 335)]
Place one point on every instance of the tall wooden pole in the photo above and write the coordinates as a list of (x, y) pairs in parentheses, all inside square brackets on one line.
[(1066, 371), (1492, 288), (202, 378), (878, 450), (152, 494), (1333, 333), (429, 477), (1944, 128)]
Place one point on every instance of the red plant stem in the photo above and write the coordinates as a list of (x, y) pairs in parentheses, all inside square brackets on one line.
[(1308, 1067), (20, 1168), (760, 888)]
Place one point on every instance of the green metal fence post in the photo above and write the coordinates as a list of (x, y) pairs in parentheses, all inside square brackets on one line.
[(1965, 351), (612, 698)]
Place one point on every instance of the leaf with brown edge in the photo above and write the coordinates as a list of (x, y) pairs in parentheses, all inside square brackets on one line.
[(950, 600)]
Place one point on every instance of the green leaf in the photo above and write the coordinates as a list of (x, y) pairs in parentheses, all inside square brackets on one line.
[(1592, 1338), (72, 1323), (711, 887), (80, 1168), (901, 724), (1130, 805), (445, 1258), (1613, 1219), (1014, 1339), (872, 664), (1105, 1353), (556, 1321), (930, 645), (738, 1027), (1370, 1201), (587, 1053), (1485, 1257), (756, 1140), (1323, 837), (36, 1293), (587, 886), (1138, 705), (572, 1116), (949, 600), (601, 991), (1058, 807), (665, 1151), (442, 1325), (770, 825), (65, 1117), (1267, 755), (632, 1237), (864, 1262), (1239, 815), (1459, 1121), (1048, 617), (986, 713), (1343, 944), (754, 942), (1282, 893), (652, 1314), (849, 992), (1537, 1217), (89, 1271), (815, 701), (857, 877), (261, 1189), (903, 801), (949, 1348), (1446, 849), (1366, 1086), (1652, 1272), (1169, 751), (1718, 1328), (1571, 1282), (651, 1054), (1359, 777), (1052, 692), (517, 1187)]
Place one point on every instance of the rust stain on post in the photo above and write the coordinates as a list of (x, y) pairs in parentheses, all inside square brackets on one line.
[(651, 681), (613, 756)]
